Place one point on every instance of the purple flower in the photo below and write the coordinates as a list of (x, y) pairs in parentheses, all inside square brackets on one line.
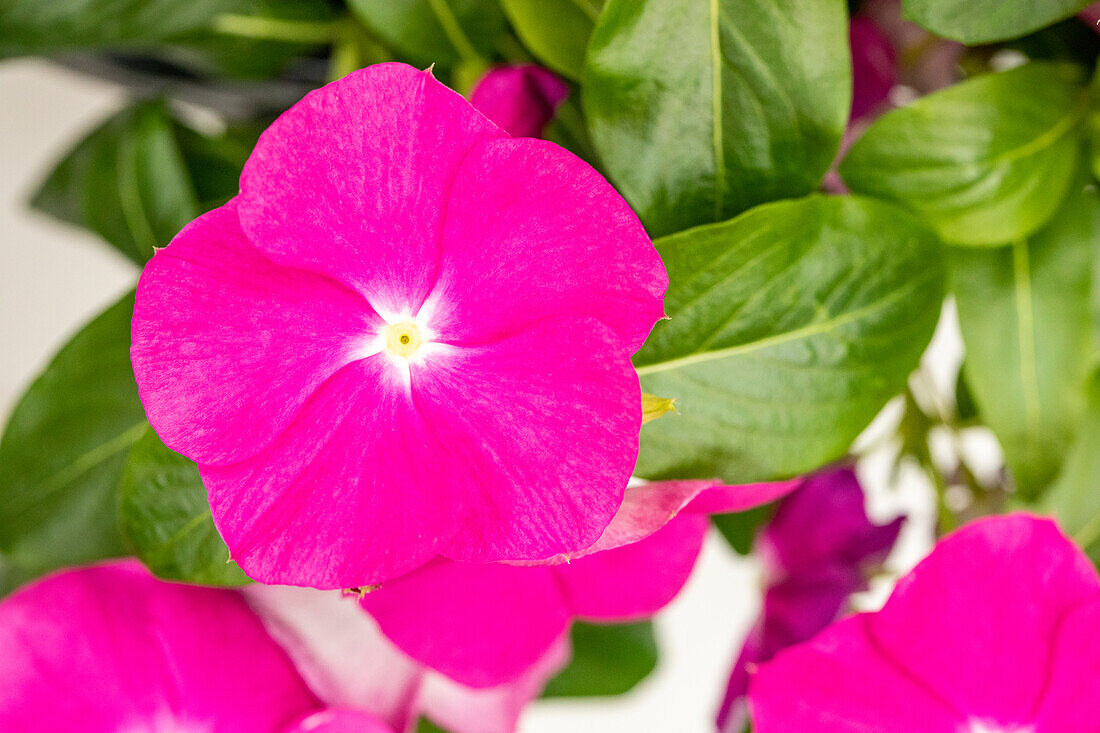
[(817, 551)]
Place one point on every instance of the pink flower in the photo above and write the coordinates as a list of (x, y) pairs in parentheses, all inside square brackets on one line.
[(520, 99), (486, 624), (1091, 16), (408, 336), (873, 67), (349, 663), (817, 551), (995, 631), (108, 649)]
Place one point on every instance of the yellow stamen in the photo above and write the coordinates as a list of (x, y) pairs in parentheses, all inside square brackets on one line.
[(403, 338)]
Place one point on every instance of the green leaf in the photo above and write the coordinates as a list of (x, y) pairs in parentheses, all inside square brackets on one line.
[(556, 31), (985, 162), (740, 528), (141, 177), (1074, 498), (607, 660), (1025, 315), (701, 109), (166, 517), (442, 32), (185, 31), (976, 22), (127, 182), (791, 326), (32, 26), (62, 452)]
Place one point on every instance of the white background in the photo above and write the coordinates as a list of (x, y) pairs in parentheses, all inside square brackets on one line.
[(54, 277)]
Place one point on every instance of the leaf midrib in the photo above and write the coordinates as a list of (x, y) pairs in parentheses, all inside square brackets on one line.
[(808, 331)]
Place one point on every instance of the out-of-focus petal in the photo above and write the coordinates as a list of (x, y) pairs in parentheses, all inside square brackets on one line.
[(520, 99)]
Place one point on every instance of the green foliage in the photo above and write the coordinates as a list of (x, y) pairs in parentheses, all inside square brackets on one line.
[(985, 21), (1074, 499), (1025, 315), (791, 326), (701, 109), (986, 162), (740, 528), (556, 31), (63, 451), (212, 36), (166, 517), (140, 177), (607, 660), (443, 32)]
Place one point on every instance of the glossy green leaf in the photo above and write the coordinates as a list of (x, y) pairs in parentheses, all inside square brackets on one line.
[(976, 22), (985, 162), (1074, 498), (62, 452), (1025, 315), (127, 182), (189, 32), (607, 660), (166, 517), (141, 177), (33, 26), (701, 109), (556, 31), (791, 326), (442, 32)]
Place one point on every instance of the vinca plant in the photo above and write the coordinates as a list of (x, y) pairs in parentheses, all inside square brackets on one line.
[(459, 325)]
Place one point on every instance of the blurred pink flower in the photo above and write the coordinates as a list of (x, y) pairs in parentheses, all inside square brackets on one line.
[(520, 99), (408, 336), (925, 62), (994, 631), (486, 624), (109, 648), (351, 665), (817, 551), (1091, 16), (873, 67)]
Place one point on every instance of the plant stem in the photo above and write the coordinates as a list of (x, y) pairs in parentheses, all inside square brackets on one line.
[(277, 29)]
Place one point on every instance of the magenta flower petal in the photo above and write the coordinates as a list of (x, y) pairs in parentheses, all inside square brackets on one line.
[(1075, 676), (488, 623), (480, 624), (838, 683), (634, 581), (537, 430), (341, 721), (648, 507), (536, 206), (944, 631), (999, 578), (430, 325), (353, 181), (521, 99), (109, 648), (344, 657), (727, 499), (228, 346), (340, 485)]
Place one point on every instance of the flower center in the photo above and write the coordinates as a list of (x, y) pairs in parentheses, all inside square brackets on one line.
[(403, 339)]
